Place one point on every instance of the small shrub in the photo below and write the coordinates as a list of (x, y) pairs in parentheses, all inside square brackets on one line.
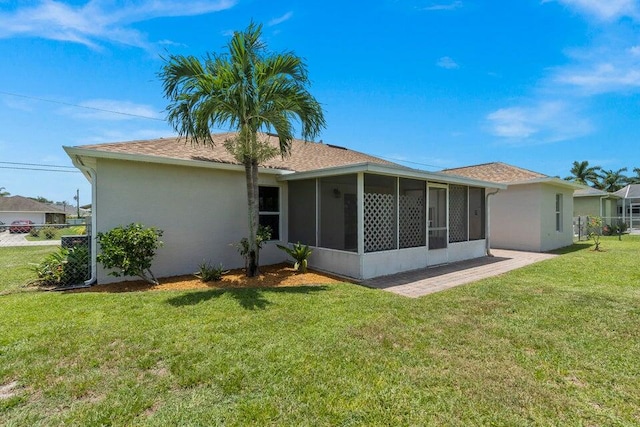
[(594, 230), (207, 273), (300, 253), (50, 272), (263, 235), (34, 232), (78, 229), (62, 268), (130, 250), (49, 232)]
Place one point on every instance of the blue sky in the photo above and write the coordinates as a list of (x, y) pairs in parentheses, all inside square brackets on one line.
[(442, 83)]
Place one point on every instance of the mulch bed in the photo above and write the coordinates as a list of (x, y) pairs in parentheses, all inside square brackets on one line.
[(277, 275)]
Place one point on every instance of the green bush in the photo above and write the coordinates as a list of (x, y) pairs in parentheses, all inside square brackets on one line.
[(300, 253), (263, 235), (49, 232), (63, 268), (207, 273), (130, 250), (34, 232)]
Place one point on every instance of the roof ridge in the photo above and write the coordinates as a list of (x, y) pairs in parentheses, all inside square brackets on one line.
[(473, 166), (305, 155), (499, 163)]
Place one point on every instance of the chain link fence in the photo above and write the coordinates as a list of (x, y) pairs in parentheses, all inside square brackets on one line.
[(610, 226), (46, 255)]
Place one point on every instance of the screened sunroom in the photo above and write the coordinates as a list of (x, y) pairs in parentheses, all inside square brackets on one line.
[(370, 220)]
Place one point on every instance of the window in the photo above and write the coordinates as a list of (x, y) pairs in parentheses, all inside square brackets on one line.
[(269, 207), (476, 213), (558, 212), (458, 210), (302, 211), (339, 212)]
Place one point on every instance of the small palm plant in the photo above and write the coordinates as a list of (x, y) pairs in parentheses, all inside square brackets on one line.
[(300, 253)]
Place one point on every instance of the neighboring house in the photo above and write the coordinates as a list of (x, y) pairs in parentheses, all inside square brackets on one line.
[(13, 208), (70, 209), (629, 205), (534, 213), (363, 216), (588, 201)]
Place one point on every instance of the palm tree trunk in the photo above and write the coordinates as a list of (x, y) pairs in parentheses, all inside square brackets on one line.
[(251, 172)]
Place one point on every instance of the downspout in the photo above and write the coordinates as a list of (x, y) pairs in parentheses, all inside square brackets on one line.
[(92, 178), (488, 222)]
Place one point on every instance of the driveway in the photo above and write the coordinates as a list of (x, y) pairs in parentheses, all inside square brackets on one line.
[(19, 239), (426, 281)]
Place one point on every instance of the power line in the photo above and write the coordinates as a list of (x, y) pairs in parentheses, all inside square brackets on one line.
[(104, 110), (37, 164), (409, 161), (42, 170)]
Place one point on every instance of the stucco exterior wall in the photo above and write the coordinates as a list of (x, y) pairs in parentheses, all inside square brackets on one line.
[(203, 212), (610, 208), (523, 217), (586, 206), (550, 238), (515, 218)]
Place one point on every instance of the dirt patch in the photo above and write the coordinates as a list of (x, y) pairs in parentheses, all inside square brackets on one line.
[(277, 275), (7, 391)]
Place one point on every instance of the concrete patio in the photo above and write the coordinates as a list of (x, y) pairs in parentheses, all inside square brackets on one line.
[(417, 283)]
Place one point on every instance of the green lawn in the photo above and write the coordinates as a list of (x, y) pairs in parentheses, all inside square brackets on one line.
[(58, 232), (555, 343), (14, 265)]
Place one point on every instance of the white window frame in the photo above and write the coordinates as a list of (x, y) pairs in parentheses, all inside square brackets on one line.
[(273, 213), (558, 211)]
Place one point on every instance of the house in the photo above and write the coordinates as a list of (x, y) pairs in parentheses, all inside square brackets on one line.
[(629, 205), (13, 208), (363, 216), (588, 201), (534, 213)]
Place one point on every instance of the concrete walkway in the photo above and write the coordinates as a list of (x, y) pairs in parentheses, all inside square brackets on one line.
[(20, 239), (426, 281)]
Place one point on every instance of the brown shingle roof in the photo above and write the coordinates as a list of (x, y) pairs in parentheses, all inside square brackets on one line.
[(24, 204), (304, 156), (496, 172)]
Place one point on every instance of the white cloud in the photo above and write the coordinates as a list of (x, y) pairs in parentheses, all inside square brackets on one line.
[(447, 62), (17, 103), (543, 122), (601, 78), (280, 19), (110, 109), (605, 10), (446, 6), (98, 21)]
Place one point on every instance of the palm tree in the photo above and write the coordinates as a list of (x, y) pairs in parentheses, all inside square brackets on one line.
[(4, 193), (247, 89), (634, 179), (611, 180), (582, 173)]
